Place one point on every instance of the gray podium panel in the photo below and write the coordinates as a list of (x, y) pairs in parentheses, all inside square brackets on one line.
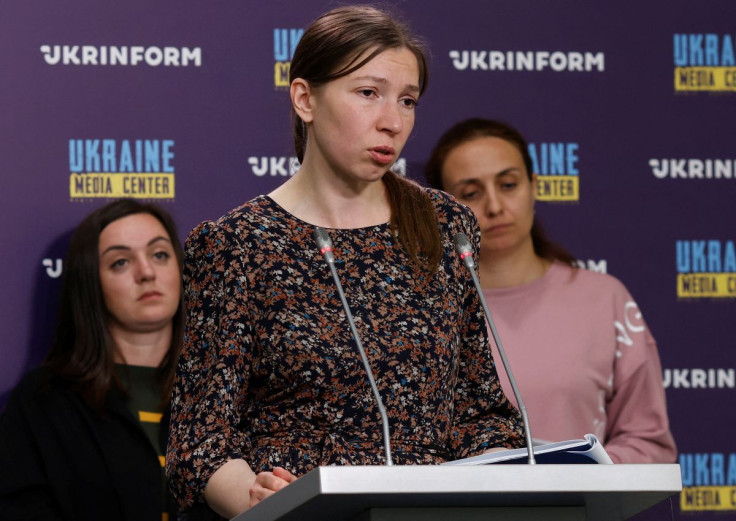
[(521, 492)]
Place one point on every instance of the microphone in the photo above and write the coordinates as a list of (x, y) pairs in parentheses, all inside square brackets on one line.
[(465, 251), (325, 247)]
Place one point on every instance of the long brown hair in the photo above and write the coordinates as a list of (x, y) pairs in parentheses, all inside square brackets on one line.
[(82, 350), (330, 48), (474, 128)]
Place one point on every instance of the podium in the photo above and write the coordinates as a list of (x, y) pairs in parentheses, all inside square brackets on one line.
[(471, 493)]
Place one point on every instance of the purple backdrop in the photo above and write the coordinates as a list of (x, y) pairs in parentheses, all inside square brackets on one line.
[(630, 110)]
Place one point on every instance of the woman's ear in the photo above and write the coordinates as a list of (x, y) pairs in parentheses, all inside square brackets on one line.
[(301, 99)]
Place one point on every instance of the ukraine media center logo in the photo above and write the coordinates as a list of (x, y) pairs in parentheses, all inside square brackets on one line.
[(110, 168), (708, 482), (556, 166), (704, 62), (706, 269), (284, 44)]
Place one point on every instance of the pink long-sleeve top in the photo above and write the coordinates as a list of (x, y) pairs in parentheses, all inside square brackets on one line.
[(585, 362)]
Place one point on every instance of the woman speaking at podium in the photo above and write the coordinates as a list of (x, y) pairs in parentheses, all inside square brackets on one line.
[(270, 383)]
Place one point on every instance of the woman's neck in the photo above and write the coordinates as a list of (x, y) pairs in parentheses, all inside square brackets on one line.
[(510, 269), (331, 204), (143, 349)]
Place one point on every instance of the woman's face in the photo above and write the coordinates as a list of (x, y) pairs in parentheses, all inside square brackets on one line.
[(139, 274), (488, 175), (360, 122)]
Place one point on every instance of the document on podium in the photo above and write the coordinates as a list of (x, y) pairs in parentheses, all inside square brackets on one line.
[(587, 450)]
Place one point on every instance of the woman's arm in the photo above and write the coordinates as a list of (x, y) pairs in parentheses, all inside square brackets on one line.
[(25, 492), (637, 422), (234, 488), (638, 426), (213, 371), (227, 491)]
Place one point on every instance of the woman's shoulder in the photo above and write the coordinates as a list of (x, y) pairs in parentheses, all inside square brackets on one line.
[(34, 380), (38, 386), (256, 210), (441, 199), (256, 215), (448, 209), (590, 281)]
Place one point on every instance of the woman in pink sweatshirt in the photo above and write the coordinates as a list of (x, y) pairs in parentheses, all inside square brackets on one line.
[(582, 355)]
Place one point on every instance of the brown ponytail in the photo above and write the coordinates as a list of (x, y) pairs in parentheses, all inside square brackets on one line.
[(414, 221)]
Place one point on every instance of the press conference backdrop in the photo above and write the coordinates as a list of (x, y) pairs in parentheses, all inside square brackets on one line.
[(630, 108)]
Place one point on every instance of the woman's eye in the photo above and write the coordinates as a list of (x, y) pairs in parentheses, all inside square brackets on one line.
[(468, 195), (409, 103), (119, 263), (161, 255), (366, 93)]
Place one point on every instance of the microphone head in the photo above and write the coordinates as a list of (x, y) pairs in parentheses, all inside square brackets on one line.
[(322, 238), (324, 243), (462, 244), (464, 249)]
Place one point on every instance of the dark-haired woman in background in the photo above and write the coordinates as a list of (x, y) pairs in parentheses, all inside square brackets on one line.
[(270, 384), (82, 437), (581, 353)]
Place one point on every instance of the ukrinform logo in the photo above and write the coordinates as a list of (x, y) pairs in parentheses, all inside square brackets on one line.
[(282, 166), (693, 168), (122, 55), (596, 265), (698, 378), (528, 61)]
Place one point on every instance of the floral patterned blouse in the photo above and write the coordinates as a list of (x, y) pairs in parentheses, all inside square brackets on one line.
[(270, 372)]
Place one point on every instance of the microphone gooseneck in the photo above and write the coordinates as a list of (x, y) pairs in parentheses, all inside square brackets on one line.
[(325, 247), (465, 251)]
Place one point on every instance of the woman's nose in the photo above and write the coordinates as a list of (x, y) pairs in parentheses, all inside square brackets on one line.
[(144, 270), (493, 203), (390, 118)]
